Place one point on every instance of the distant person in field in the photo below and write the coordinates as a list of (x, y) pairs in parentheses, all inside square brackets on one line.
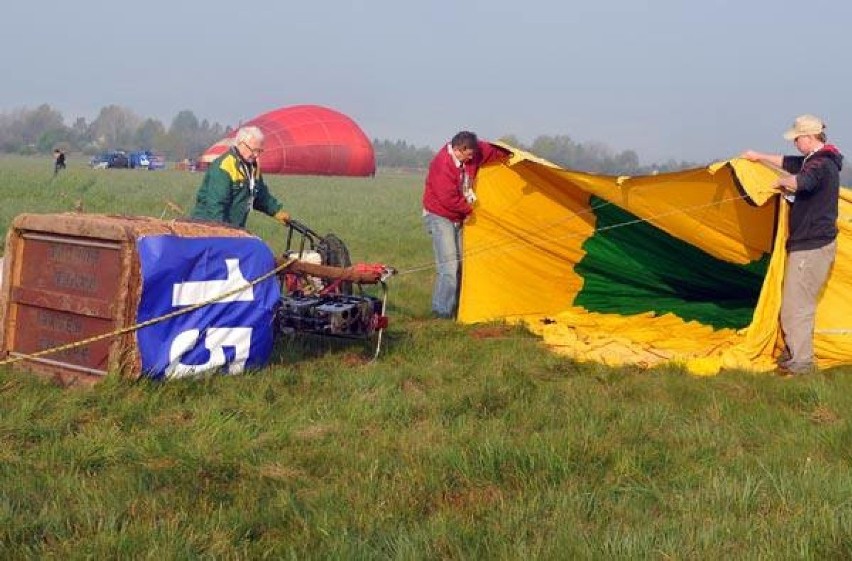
[(233, 184), (58, 160), (447, 202), (812, 189)]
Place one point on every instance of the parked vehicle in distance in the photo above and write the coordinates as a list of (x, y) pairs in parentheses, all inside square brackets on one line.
[(98, 161), (156, 161), (145, 159), (139, 160), (114, 159)]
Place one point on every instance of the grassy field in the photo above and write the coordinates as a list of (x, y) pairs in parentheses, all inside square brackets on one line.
[(461, 442)]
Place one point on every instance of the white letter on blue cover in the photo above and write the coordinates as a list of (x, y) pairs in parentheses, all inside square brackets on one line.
[(196, 292), (216, 339)]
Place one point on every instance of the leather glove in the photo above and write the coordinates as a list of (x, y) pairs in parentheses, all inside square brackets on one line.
[(282, 216)]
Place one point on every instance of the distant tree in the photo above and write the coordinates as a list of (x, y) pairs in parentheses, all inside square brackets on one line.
[(400, 154), (559, 149), (43, 127), (114, 127), (511, 140), (189, 138), (594, 157), (627, 160), (21, 140), (78, 134), (51, 139), (670, 165), (208, 134), (184, 124), (149, 134), (10, 138)]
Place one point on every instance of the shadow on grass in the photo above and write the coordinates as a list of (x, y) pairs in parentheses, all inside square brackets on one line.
[(302, 347)]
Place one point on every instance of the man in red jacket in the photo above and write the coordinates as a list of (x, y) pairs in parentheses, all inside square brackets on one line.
[(447, 201)]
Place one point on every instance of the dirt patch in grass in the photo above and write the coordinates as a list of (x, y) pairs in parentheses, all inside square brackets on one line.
[(491, 332), (354, 360), (473, 498), (823, 415)]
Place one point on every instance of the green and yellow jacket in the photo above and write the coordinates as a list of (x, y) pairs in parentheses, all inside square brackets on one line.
[(226, 196)]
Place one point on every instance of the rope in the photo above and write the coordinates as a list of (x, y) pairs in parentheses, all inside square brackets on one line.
[(508, 244), (152, 321)]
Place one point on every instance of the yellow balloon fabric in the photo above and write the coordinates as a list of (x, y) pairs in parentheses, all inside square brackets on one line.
[(644, 270)]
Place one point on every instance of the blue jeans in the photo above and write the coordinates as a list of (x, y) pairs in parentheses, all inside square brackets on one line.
[(446, 243)]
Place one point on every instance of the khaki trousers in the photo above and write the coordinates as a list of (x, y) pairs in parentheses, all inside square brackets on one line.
[(804, 277)]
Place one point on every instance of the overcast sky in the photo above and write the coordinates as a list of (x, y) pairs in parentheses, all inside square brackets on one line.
[(687, 80)]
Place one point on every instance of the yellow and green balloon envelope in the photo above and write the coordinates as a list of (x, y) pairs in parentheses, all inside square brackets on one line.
[(682, 267)]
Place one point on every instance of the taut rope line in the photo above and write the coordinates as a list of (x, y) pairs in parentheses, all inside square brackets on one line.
[(505, 245)]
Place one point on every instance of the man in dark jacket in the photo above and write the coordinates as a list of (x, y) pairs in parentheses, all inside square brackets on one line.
[(233, 184), (447, 200), (58, 160), (812, 189)]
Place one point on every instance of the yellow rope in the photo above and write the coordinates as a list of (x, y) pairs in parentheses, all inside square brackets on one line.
[(152, 321)]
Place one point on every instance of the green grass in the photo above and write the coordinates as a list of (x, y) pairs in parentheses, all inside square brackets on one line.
[(460, 442)]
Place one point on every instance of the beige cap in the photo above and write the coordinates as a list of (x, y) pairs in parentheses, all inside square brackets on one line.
[(805, 125)]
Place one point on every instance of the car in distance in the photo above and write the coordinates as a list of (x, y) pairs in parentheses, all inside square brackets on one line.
[(114, 159), (156, 161), (139, 160), (145, 159)]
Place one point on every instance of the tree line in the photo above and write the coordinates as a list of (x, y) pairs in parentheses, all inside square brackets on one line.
[(592, 157), (41, 130)]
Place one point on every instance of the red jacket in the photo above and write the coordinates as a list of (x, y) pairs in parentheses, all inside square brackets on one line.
[(443, 192)]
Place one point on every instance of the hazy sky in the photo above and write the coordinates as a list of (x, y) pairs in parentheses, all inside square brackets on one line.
[(688, 80)]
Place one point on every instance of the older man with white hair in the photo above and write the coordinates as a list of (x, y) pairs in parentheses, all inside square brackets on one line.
[(233, 184), (812, 187)]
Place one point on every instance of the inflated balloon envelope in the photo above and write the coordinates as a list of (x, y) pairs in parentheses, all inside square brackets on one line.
[(683, 267), (307, 140)]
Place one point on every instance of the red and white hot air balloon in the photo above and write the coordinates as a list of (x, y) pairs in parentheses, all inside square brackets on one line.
[(307, 140)]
